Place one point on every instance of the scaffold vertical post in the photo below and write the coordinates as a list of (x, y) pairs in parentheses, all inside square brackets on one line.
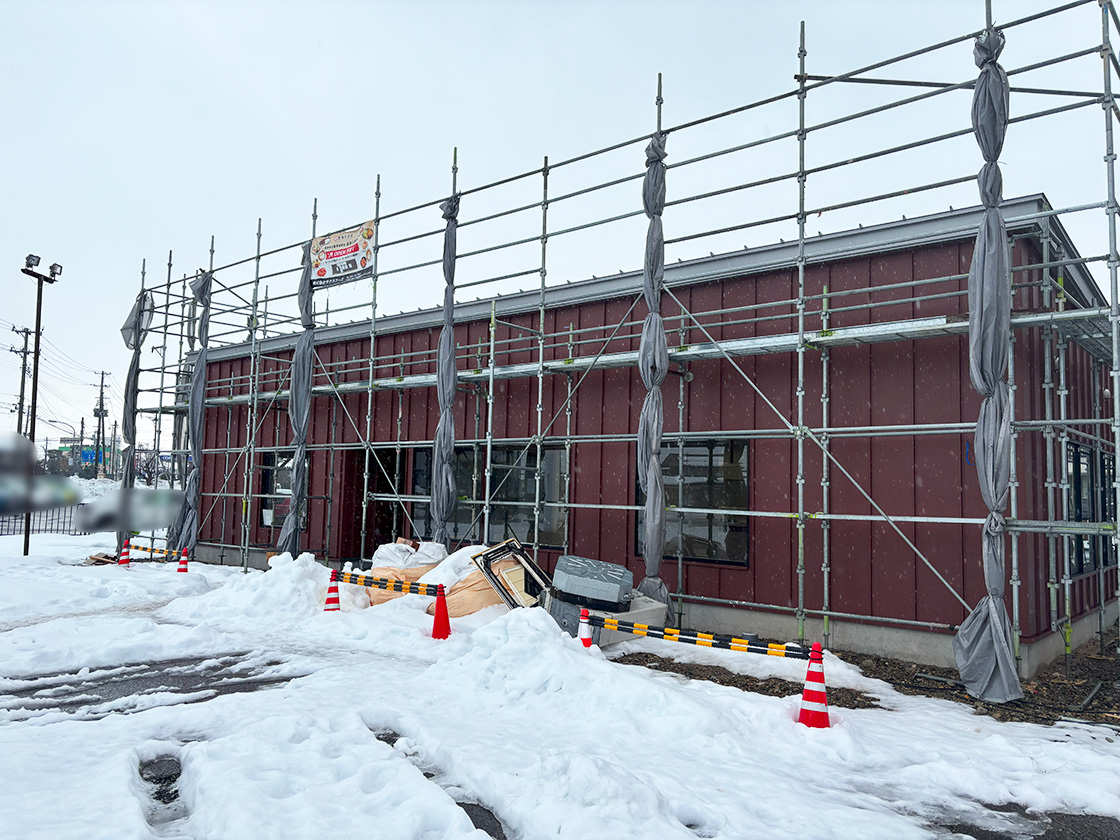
[(540, 364), (162, 385), (368, 442), (1049, 434), (682, 340), (1013, 490), (1065, 621), (1108, 104), (568, 442), (826, 505), (801, 53), (489, 428), (251, 423)]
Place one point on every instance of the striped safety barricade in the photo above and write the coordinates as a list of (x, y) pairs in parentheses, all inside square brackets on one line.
[(162, 552), (712, 640), (389, 584)]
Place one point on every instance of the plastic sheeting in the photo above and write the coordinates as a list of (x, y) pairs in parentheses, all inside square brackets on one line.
[(443, 495), (653, 367), (133, 332), (184, 531), (299, 414), (299, 411), (983, 643), (306, 317)]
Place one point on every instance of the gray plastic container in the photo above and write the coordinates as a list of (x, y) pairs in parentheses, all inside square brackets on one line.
[(593, 583)]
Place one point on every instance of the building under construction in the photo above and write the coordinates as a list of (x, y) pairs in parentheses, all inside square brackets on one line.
[(818, 456)]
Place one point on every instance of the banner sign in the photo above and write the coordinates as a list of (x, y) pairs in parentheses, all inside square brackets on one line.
[(342, 257)]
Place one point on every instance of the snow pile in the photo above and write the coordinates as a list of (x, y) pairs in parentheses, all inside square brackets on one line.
[(455, 568), (402, 556), (289, 590), (94, 488)]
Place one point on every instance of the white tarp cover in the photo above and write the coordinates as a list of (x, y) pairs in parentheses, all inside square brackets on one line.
[(983, 643)]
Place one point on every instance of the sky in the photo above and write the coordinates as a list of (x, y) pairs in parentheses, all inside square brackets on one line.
[(138, 129)]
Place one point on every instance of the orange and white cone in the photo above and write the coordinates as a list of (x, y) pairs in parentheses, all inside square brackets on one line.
[(814, 700), (332, 594), (585, 628), (441, 627), (183, 562), (123, 559)]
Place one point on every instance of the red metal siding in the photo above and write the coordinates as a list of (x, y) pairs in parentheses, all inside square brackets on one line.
[(898, 383)]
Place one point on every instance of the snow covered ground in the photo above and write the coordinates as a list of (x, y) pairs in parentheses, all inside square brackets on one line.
[(95, 488), (508, 712)]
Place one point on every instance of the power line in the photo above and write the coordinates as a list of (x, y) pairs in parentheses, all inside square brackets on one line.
[(68, 357)]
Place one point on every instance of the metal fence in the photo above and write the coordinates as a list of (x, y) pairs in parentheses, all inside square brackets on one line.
[(62, 520)]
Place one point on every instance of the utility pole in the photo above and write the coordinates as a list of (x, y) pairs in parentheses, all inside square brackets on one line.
[(100, 413), (113, 450), (22, 371), (30, 264), (81, 444)]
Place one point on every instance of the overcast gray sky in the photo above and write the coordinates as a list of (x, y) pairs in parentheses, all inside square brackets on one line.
[(135, 128)]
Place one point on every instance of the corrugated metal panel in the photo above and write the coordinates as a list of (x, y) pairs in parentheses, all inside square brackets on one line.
[(896, 383)]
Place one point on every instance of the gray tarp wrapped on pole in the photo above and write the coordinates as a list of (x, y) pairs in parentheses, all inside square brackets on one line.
[(443, 447), (133, 332), (299, 411), (983, 643), (653, 366), (184, 532)]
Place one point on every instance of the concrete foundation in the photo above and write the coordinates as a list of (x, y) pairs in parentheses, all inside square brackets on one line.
[(219, 556), (923, 647)]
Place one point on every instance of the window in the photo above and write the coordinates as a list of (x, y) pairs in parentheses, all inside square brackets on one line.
[(1091, 499), (712, 476), (513, 490), (276, 489)]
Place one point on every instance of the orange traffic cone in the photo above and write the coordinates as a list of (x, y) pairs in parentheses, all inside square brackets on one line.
[(441, 627), (814, 700), (332, 594), (123, 560), (585, 628), (183, 562)]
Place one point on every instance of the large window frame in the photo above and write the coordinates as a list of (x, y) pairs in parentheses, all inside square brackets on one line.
[(1090, 475), (276, 489), (715, 473), (513, 483)]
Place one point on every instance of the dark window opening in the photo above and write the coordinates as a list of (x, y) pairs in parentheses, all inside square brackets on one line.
[(276, 490), (1091, 499), (710, 476), (513, 492)]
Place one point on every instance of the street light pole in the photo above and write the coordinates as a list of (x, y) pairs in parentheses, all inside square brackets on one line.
[(29, 269)]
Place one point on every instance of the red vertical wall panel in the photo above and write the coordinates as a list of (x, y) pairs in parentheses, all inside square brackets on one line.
[(895, 383)]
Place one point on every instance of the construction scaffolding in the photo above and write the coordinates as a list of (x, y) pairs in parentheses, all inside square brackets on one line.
[(566, 220)]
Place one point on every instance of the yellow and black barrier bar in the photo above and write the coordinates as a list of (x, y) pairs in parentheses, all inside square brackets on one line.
[(165, 552), (712, 640), (386, 583)]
